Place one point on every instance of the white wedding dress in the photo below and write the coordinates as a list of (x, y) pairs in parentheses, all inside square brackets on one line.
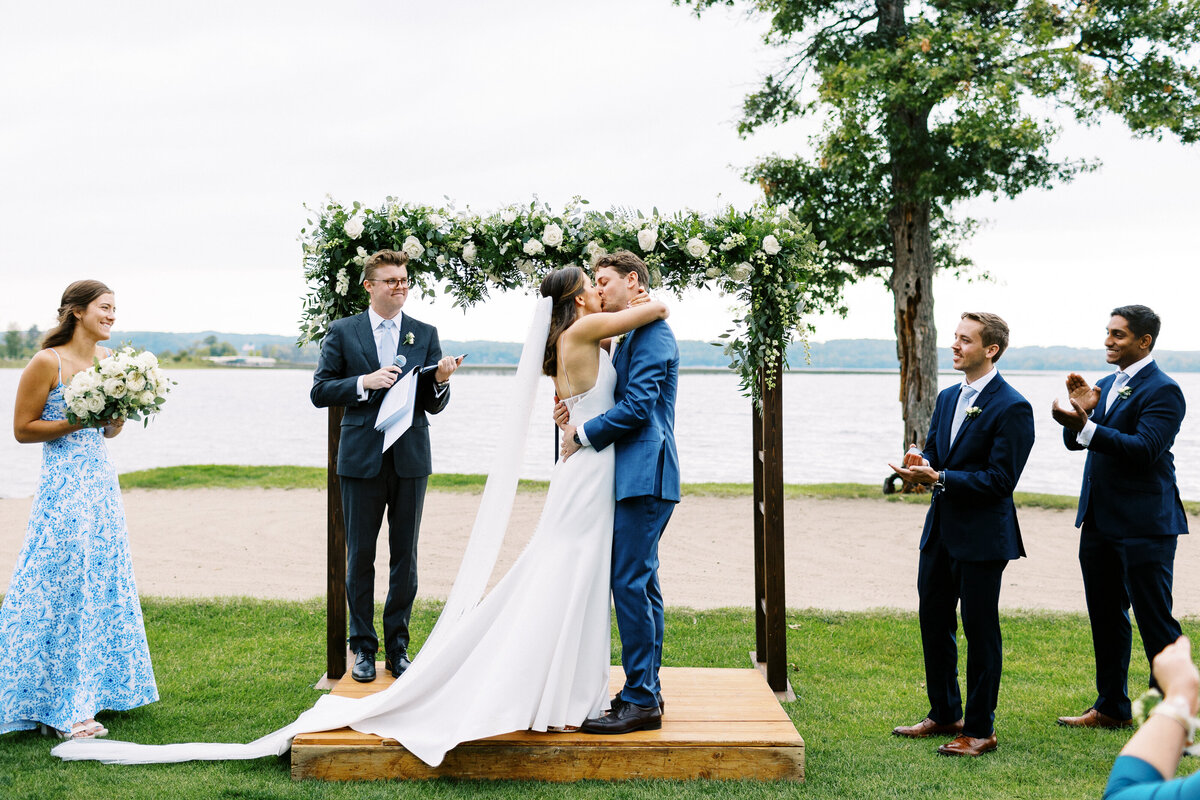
[(532, 654)]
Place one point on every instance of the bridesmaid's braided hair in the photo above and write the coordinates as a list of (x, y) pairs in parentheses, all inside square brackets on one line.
[(562, 286), (76, 298)]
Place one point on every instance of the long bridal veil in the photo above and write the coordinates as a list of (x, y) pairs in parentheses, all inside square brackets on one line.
[(487, 536)]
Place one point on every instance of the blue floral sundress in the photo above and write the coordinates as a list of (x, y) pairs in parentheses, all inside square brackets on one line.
[(72, 640)]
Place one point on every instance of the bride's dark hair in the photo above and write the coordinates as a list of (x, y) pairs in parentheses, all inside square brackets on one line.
[(562, 286), (77, 297)]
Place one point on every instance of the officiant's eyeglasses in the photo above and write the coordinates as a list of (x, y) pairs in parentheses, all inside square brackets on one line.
[(392, 283)]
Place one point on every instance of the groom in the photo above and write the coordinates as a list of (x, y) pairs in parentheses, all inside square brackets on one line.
[(641, 426), (359, 363)]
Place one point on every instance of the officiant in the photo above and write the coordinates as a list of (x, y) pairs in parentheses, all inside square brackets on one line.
[(362, 357)]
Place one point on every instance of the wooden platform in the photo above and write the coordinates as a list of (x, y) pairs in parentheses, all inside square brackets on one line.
[(720, 724)]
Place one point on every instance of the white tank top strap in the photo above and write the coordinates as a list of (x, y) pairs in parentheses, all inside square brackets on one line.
[(56, 355)]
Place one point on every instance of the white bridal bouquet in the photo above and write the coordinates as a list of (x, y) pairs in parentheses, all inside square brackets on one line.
[(126, 384)]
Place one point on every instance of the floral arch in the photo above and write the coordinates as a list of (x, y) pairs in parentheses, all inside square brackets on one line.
[(764, 259)]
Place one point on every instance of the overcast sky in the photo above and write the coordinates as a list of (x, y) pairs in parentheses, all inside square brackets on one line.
[(168, 149)]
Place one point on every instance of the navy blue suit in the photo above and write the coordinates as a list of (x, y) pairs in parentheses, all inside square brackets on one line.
[(1130, 515), (371, 479), (970, 535), (641, 426)]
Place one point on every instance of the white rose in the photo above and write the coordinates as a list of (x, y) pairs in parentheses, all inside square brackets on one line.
[(698, 248), (413, 248), (508, 216), (552, 236), (136, 382), (354, 226), (94, 403), (115, 387), (594, 249), (109, 367), (712, 272), (770, 245), (469, 253), (647, 238), (533, 247), (525, 266), (440, 260), (435, 221), (84, 381), (742, 271), (147, 360), (146, 398)]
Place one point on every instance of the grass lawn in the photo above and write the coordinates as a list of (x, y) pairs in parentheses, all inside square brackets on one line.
[(232, 670), (228, 476)]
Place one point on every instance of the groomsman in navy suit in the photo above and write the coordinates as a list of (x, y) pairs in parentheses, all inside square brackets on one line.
[(641, 426), (1129, 510), (360, 360), (979, 439)]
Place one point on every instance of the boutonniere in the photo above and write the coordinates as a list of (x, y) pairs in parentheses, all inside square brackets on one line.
[(1124, 392), (409, 338), (621, 338), (973, 412)]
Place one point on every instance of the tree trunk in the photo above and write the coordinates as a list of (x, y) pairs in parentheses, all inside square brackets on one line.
[(907, 130), (916, 334)]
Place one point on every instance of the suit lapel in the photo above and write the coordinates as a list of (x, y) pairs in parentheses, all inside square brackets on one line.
[(948, 400), (366, 338), (981, 400), (406, 327), (1132, 385)]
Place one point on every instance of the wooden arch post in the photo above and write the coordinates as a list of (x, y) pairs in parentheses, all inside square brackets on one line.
[(335, 588), (770, 609)]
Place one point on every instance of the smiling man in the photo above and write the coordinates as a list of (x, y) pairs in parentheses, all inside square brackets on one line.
[(1129, 510), (361, 357), (979, 440)]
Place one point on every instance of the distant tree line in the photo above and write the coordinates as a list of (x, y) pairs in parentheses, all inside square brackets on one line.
[(872, 354)]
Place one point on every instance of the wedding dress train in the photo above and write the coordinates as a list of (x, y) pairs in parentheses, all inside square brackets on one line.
[(532, 654)]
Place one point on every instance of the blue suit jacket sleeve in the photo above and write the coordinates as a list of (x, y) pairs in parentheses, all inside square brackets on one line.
[(427, 393), (331, 386), (1158, 421), (648, 369)]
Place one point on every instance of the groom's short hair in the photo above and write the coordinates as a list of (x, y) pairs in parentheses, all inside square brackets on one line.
[(625, 262), (384, 258), (995, 330)]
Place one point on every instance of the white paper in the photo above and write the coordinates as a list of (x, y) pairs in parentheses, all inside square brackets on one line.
[(396, 410)]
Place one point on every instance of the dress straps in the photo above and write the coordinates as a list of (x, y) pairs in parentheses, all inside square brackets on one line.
[(56, 355)]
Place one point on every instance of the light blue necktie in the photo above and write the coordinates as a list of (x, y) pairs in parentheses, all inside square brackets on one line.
[(387, 343), (1118, 384), (960, 411)]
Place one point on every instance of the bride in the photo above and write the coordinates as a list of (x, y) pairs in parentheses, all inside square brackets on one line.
[(534, 653)]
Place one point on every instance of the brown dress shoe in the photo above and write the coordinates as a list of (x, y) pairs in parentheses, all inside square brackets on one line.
[(968, 746), (1094, 719), (928, 727)]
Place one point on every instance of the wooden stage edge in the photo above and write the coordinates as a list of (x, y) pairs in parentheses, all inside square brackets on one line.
[(721, 724)]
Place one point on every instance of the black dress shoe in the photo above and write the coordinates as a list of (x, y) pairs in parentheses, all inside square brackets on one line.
[(625, 718), (619, 701), (399, 664), (364, 667)]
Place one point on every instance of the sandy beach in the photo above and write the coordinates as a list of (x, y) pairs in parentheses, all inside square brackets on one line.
[(841, 554)]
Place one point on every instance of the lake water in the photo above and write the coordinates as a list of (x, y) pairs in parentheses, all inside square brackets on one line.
[(837, 427)]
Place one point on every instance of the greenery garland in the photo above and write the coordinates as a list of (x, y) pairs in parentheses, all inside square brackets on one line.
[(765, 259)]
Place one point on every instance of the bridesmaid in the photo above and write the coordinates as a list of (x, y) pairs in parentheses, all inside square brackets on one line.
[(72, 640)]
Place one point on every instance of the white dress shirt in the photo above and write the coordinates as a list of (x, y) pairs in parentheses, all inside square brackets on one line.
[(377, 333), (1084, 437)]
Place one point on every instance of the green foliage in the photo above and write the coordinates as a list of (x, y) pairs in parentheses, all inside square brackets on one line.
[(934, 103), (235, 669), (765, 259)]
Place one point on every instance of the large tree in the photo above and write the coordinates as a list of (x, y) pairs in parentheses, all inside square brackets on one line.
[(925, 104)]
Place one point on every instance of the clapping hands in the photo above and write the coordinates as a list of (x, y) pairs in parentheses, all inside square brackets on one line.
[(1083, 398)]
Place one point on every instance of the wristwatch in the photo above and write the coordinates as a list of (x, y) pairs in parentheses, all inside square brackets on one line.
[(940, 483), (575, 437)]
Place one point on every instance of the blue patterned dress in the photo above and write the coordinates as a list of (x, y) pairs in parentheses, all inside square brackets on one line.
[(72, 641)]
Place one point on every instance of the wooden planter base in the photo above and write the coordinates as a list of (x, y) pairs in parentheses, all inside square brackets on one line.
[(721, 724)]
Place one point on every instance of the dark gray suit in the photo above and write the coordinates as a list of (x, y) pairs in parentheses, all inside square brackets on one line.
[(372, 480)]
